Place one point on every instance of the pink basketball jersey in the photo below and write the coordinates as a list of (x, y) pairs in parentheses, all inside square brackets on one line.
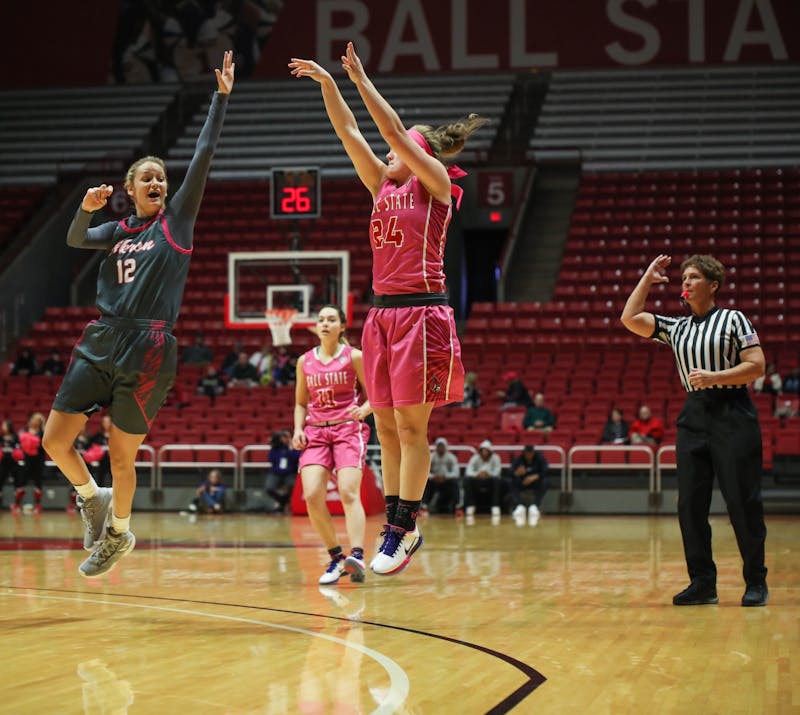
[(408, 230), (332, 389)]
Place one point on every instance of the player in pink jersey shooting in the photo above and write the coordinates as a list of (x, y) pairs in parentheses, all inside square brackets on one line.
[(329, 427), (412, 358)]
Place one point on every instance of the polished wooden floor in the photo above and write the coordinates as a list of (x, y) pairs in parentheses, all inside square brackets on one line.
[(224, 615)]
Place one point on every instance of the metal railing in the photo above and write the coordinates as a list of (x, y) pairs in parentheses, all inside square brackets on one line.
[(563, 462), (662, 464), (648, 465), (183, 463)]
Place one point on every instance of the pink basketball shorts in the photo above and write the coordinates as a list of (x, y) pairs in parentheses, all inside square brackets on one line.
[(412, 356), (337, 446)]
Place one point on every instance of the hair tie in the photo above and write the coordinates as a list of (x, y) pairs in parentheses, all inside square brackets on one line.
[(453, 171)]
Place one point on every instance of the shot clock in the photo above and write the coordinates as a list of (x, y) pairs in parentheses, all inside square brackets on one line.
[(295, 193)]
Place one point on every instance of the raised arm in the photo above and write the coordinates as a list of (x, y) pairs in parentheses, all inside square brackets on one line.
[(79, 234), (370, 168), (186, 203), (634, 317), (430, 171)]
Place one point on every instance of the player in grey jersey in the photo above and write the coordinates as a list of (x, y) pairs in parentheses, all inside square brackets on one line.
[(126, 359)]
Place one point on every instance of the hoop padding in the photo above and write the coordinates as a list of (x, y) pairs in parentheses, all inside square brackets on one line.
[(280, 325)]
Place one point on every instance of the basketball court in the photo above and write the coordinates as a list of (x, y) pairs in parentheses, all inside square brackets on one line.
[(224, 615)]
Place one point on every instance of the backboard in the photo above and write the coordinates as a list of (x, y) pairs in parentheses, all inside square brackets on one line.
[(260, 281)]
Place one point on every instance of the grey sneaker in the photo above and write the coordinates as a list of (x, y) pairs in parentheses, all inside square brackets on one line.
[(94, 513), (107, 552)]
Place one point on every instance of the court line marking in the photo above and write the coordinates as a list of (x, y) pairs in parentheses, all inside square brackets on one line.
[(534, 677), (398, 679)]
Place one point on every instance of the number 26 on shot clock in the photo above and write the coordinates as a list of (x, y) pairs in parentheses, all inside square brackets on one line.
[(295, 193)]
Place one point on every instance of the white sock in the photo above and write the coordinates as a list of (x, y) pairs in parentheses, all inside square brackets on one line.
[(119, 524), (88, 490)]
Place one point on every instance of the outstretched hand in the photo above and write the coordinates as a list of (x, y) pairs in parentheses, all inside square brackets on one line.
[(657, 271), (96, 197), (225, 77), (352, 64), (308, 68)]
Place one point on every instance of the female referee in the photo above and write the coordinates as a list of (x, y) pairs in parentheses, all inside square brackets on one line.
[(717, 353)]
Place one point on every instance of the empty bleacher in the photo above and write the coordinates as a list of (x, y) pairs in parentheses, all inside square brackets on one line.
[(663, 119), (53, 131), (283, 122)]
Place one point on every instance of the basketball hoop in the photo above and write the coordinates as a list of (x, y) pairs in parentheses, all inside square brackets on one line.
[(280, 325)]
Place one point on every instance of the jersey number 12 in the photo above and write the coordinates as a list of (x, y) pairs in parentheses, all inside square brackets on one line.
[(125, 269)]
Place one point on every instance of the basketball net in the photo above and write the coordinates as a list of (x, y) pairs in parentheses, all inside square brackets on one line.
[(280, 325)]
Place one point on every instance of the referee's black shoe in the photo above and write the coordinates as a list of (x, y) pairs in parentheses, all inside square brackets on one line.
[(756, 595), (696, 594)]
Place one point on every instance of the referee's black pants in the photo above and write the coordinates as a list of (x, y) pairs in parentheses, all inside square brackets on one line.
[(719, 435)]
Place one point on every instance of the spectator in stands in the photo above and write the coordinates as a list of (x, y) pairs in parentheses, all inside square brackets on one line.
[(25, 365), (210, 495), (329, 427), (442, 494), (414, 361), (718, 353), (33, 459), (791, 383), (472, 393), (127, 358), (231, 359), (515, 394), (211, 384), (616, 430), (483, 475), (786, 406), (528, 484), (770, 383), (262, 361), (283, 459), (243, 374), (199, 352), (54, 365), (647, 429), (539, 416), (12, 454), (283, 366)]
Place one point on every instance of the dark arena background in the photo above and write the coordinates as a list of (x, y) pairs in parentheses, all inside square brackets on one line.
[(619, 131)]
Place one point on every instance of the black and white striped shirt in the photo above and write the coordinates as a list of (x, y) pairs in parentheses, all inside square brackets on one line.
[(713, 342)]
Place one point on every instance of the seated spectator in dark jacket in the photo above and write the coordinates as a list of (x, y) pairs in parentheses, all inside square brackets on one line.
[(231, 359), (616, 430), (198, 353), (54, 365), (538, 416), (647, 429), (528, 484), (211, 384), (516, 394), (243, 373), (791, 383), (25, 365)]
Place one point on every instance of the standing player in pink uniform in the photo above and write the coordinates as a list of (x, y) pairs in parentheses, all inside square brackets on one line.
[(412, 358), (329, 427)]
